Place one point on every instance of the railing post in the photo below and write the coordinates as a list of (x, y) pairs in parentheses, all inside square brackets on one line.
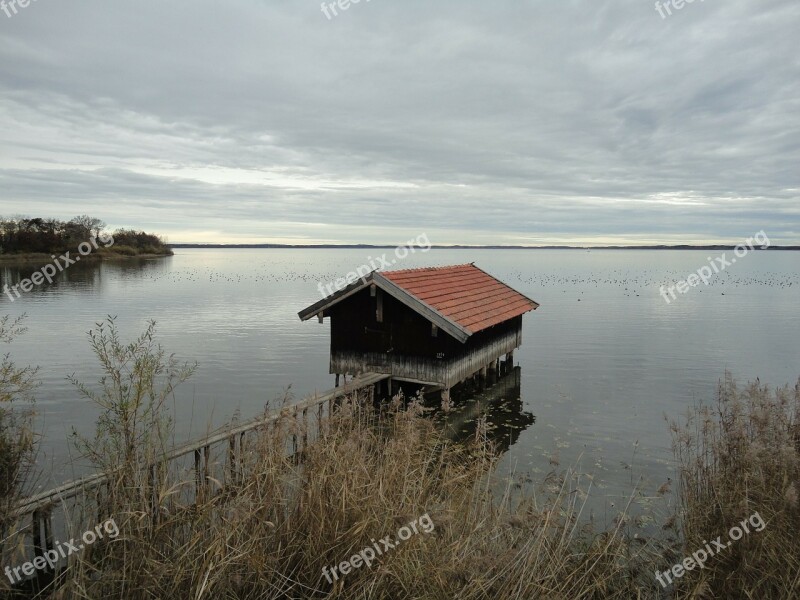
[(198, 471), (155, 509), (232, 459), (36, 532), (242, 447), (206, 461), (294, 434), (48, 529), (305, 428)]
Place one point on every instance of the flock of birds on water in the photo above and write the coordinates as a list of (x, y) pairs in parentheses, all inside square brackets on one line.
[(650, 281), (630, 282)]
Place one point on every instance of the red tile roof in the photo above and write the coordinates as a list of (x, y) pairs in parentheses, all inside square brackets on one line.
[(463, 294)]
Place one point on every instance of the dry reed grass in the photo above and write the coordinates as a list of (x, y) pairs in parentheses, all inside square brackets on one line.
[(268, 532), (270, 535), (740, 457)]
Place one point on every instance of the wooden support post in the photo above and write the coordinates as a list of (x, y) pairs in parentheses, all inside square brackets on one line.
[(104, 509), (446, 404), (305, 428), (492, 371), (294, 435), (206, 463), (232, 459), (483, 378), (201, 456), (337, 380), (47, 523), (198, 474), (42, 531), (155, 508), (36, 532), (241, 455)]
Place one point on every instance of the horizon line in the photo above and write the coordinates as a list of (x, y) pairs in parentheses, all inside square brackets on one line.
[(483, 246)]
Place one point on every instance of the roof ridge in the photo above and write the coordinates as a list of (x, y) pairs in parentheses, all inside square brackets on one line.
[(420, 269), (506, 285)]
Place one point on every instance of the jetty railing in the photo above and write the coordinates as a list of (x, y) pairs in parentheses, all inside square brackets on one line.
[(50, 515)]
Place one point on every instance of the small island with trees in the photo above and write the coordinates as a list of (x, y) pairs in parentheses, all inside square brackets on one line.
[(23, 238)]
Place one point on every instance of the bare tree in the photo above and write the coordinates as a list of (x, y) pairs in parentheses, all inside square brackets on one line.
[(92, 225)]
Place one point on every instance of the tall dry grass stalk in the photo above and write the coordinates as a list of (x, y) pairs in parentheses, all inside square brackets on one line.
[(740, 457)]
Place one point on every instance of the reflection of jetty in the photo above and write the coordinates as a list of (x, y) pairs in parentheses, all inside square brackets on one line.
[(501, 405), (435, 327)]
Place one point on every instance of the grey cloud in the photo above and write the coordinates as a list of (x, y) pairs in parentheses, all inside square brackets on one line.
[(559, 121)]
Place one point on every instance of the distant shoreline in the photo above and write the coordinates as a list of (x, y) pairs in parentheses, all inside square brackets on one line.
[(38, 257), (464, 247)]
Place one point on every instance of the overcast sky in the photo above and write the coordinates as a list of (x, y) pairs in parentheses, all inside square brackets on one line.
[(516, 122)]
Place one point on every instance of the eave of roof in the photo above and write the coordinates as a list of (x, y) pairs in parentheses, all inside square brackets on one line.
[(336, 297), (375, 278)]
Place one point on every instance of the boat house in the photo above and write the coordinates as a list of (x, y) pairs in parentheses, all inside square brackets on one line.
[(434, 327)]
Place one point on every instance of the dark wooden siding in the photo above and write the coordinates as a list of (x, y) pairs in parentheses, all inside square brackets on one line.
[(354, 327), (402, 343)]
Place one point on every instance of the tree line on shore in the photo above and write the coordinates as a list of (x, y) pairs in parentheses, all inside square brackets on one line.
[(26, 235)]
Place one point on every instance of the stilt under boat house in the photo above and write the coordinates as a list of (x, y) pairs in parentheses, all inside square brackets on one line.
[(432, 326)]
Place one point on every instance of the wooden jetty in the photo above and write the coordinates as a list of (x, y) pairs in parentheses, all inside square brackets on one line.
[(215, 460), (434, 326)]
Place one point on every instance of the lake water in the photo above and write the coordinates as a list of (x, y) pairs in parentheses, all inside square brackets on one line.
[(603, 360)]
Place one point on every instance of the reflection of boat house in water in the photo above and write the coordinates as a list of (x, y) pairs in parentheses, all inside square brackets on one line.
[(433, 326), (502, 408)]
